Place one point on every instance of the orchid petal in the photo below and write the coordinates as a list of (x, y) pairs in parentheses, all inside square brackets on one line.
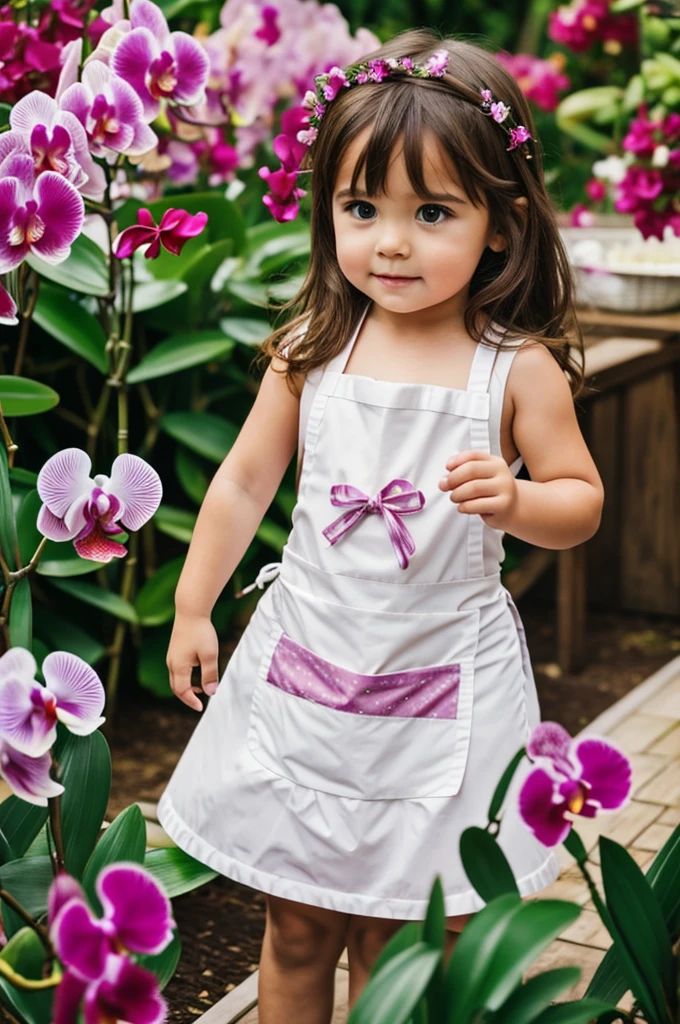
[(130, 239), (10, 193), (76, 101), (52, 527), (136, 905), (70, 56), (26, 726), (8, 307), (549, 739), (75, 519), (28, 777), (11, 142), (77, 687), (62, 209), (193, 68), (144, 14), (32, 109), (138, 486), (606, 770), (18, 662), (63, 889), (95, 183), (64, 478), (80, 941), (98, 548), (131, 60), (538, 810), (127, 992), (67, 998)]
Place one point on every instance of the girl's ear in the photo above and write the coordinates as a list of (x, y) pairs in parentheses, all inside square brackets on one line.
[(498, 242)]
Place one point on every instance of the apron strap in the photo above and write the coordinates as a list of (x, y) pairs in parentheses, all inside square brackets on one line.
[(483, 363), (338, 363)]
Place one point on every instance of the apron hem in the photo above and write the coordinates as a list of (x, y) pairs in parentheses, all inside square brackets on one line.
[(330, 899)]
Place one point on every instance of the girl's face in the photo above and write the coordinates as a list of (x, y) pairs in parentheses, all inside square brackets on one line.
[(435, 245)]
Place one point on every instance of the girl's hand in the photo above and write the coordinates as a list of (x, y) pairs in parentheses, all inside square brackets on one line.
[(481, 484), (193, 642)]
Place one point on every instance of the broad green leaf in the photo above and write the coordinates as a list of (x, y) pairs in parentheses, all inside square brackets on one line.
[(434, 926), (175, 522), (29, 887), (620, 6), (27, 529), (199, 272), (155, 602), (181, 352), (24, 479), (202, 432), (152, 671), (191, 475), (62, 559), (85, 773), (527, 1001), (408, 935), (248, 330), (123, 840), (486, 865), (61, 634), (24, 952), (252, 293), (21, 396), (583, 104), (177, 871), (20, 823), (8, 536), (163, 964), (21, 615), (502, 787), (393, 992), (640, 934), (581, 1012), (85, 271), (266, 256), (70, 323), (93, 595), (433, 1006), (152, 294), (272, 534)]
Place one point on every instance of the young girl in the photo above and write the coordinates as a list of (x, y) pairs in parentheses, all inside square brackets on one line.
[(383, 682)]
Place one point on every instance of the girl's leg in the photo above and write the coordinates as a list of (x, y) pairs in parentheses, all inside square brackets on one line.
[(300, 951)]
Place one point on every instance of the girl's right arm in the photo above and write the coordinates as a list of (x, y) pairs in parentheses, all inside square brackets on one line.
[(239, 495)]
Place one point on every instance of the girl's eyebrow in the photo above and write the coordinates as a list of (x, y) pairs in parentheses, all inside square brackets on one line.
[(441, 196)]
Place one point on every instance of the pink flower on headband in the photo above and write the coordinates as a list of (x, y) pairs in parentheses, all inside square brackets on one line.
[(436, 64), (499, 112), (337, 80), (518, 135)]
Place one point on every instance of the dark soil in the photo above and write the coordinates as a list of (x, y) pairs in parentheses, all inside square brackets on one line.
[(221, 924)]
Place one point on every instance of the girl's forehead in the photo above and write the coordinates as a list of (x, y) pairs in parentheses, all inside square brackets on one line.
[(437, 167)]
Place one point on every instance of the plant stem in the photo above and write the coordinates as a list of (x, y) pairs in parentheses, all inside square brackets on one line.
[(40, 931), (26, 315), (57, 834), (30, 984), (119, 636)]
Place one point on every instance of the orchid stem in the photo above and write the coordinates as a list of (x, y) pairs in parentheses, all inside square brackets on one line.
[(26, 315), (14, 577), (119, 636), (57, 834), (30, 984), (25, 916)]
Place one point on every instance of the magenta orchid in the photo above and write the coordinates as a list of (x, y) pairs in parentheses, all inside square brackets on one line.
[(540, 80), (8, 308), (110, 112), (28, 777), (87, 511), (576, 777), (175, 229), (160, 64), (29, 712), (41, 215), (283, 199), (99, 976)]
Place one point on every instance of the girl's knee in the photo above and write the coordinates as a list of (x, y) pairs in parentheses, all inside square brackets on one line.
[(457, 923), (300, 935), (366, 937)]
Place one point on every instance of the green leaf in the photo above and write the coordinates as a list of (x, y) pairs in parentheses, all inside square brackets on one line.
[(502, 787), (248, 330), (391, 994), (641, 937), (123, 840), (24, 952), (8, 537), (29, 883), (175, 522), (27, 529), (5, 111), (60, 558), (581, 1012), (485, 864), (408, 935), (21, 396), (20, 823), (200, 270), (527, 1001), (176, 871), (152, 671), (85, 763), (152, 294), (60, 634), (202, 432), (434, 926), (163, 964), (574, 845), (191, 475), (21, 615), (272, 534), (85, 271), (620, 6), (93, 595), (155, 602), (181, 352), (70, 323)]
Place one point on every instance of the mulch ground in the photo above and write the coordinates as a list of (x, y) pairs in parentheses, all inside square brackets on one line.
[(221, 924)]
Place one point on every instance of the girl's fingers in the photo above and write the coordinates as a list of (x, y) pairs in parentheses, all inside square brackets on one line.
[(210, 675), (468, 471), (473, 489), (178, 685)]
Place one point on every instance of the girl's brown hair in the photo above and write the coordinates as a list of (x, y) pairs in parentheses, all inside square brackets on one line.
[(527, 289)]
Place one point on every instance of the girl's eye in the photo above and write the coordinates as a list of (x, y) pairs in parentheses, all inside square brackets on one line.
[(360, 203), (369, 209), (433, 207)]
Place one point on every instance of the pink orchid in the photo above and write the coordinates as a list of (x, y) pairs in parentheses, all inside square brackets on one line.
[(8, 308), (86, 511), (29, 712), (27, 61), (224, 160), (110, 112), (57, 142), (160, 64), (540, 80), (28, 777), (269, 30), (175, 229), (99, 975), (581, 217), (582, 777), (596, 189), (42, 215), (284, 199)]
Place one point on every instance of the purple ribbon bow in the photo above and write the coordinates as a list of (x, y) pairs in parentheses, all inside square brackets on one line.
[(397, 498)]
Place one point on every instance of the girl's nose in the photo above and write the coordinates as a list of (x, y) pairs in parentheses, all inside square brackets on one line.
[(393, 242)]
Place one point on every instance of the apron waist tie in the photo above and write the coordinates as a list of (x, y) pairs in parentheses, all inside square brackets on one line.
[(266, 574)]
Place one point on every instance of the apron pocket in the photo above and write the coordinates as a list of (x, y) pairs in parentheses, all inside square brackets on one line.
[(367, 725)]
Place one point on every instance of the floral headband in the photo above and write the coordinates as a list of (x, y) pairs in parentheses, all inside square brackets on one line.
[(283, 200)]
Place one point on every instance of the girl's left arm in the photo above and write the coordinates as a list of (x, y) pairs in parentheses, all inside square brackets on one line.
[(561, 505)]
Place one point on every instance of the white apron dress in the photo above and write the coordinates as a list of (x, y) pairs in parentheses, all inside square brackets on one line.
[(383, 682)]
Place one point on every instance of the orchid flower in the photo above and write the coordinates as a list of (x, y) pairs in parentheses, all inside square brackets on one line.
[(176, 228), (160, 64), (283, 199), (56, 140), (99, 975), (86, 511), (582, 776), (8, 308), (28, 777), (42, 215), (29, 712)]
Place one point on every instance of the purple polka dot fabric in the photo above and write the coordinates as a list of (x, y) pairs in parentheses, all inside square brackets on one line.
[(415, 693)]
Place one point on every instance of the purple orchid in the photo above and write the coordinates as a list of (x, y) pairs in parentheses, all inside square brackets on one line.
[(28, 777), (175, 229), (56, 140), (99, 975), (583, 777), (160, 64), (269, 31), (110, 111), (29, 712), (41, 215), (284, 199), (86, 511), (8, 308)]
